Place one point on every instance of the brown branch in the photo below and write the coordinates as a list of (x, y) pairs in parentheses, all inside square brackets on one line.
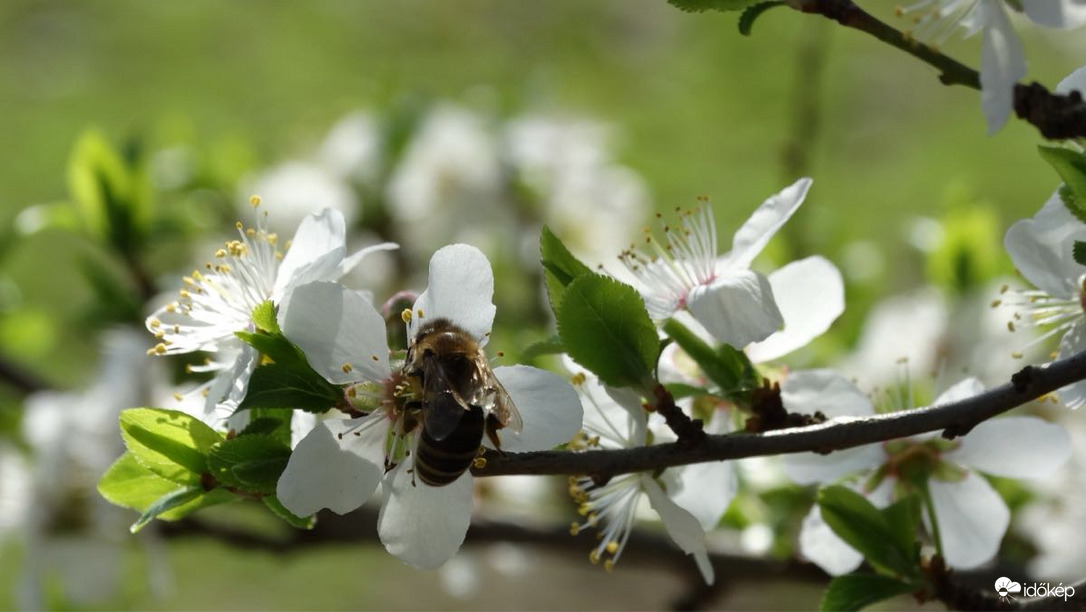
[(689, 431), (20, 379), (955, 419)]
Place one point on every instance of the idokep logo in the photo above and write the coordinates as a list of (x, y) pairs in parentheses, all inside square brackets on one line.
[(1007, 589)]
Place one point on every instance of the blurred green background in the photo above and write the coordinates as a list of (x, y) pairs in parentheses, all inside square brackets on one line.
[(697, 108)]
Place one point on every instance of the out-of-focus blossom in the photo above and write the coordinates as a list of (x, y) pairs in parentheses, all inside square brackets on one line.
[(732, 302), (972, 518), (352, 148), (297, 189)]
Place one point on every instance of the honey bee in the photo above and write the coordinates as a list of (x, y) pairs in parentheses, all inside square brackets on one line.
[(460, 400)]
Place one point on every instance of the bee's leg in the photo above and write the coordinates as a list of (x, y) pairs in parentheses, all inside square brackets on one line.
[(492, 427)]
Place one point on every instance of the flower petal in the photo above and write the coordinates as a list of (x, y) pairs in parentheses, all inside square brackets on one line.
[(343, 337), (548, 405), (963, 389), (819, 544), (812, 468), (1064, 14), (825, 391), (1015, 447), (1002, 64), (810, 294), (334, 468), (705, 490), (422, 525), (737, 308), (353, 259), (461, 286), (751, 238), (1076, 81), (680, 525), (1041, 248), (972, 520), (315, 252), (1074, 341)]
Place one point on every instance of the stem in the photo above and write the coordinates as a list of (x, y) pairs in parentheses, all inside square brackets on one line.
[(925, 493)]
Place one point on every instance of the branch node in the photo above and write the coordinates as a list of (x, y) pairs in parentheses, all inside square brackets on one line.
[(770, 414), (1022, 380)]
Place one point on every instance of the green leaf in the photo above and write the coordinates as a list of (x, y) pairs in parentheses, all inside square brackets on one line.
[(277, 508), (264, 318), (728, 367), (1078, 251), (252, 463), (171, 444), (560, 267), (863, 527), (857, 591), (700, 6), (274, 423), (681, 390), (170, 501), (605, 327), (753, 12), (1071, 166), (277, 348), (130, 485), (277, 386), (903, 517), (111, 193), (549, 346)]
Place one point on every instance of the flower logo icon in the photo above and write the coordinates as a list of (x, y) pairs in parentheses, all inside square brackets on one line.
[(1005, 587)]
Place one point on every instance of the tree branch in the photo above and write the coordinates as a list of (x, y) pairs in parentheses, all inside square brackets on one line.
[(1057, 116), (955, 418)]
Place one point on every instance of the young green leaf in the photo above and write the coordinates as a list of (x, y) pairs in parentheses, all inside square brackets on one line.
[(863, 527), (903, 517), (171, 444), (604, 326), (130, 485), (857, 591), (753, 12), (252, 463), (274, 423), (277, 348), (729, 368), (277, 508), (264, 318), (560, 267), (700, 6), (282, 387), (174, 499), (1071, 166), (548, 346)]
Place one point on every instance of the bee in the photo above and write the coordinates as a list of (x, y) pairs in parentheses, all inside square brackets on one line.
[(460, 400)]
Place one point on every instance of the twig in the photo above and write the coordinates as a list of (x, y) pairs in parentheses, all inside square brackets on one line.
[(20, 379), (954, 418)]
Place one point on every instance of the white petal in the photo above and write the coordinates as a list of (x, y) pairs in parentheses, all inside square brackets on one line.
[(1002, 64), (680, 525), (751, 238), (333, 468), (422, 525), (737, 308), (337, 327), (315, 252), (972, 520), (818, 543), (301, 423), (1074, 341), (548, 404), (706, 489), (825, 391), (812, 468), (810, 294), (1076, 81), (1015, 447), (353, 260), (963, 389), (1066, 14), (1041, 248), (461, 286)]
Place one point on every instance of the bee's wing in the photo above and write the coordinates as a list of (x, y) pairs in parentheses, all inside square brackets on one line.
[(444, 407), (493, 398)]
